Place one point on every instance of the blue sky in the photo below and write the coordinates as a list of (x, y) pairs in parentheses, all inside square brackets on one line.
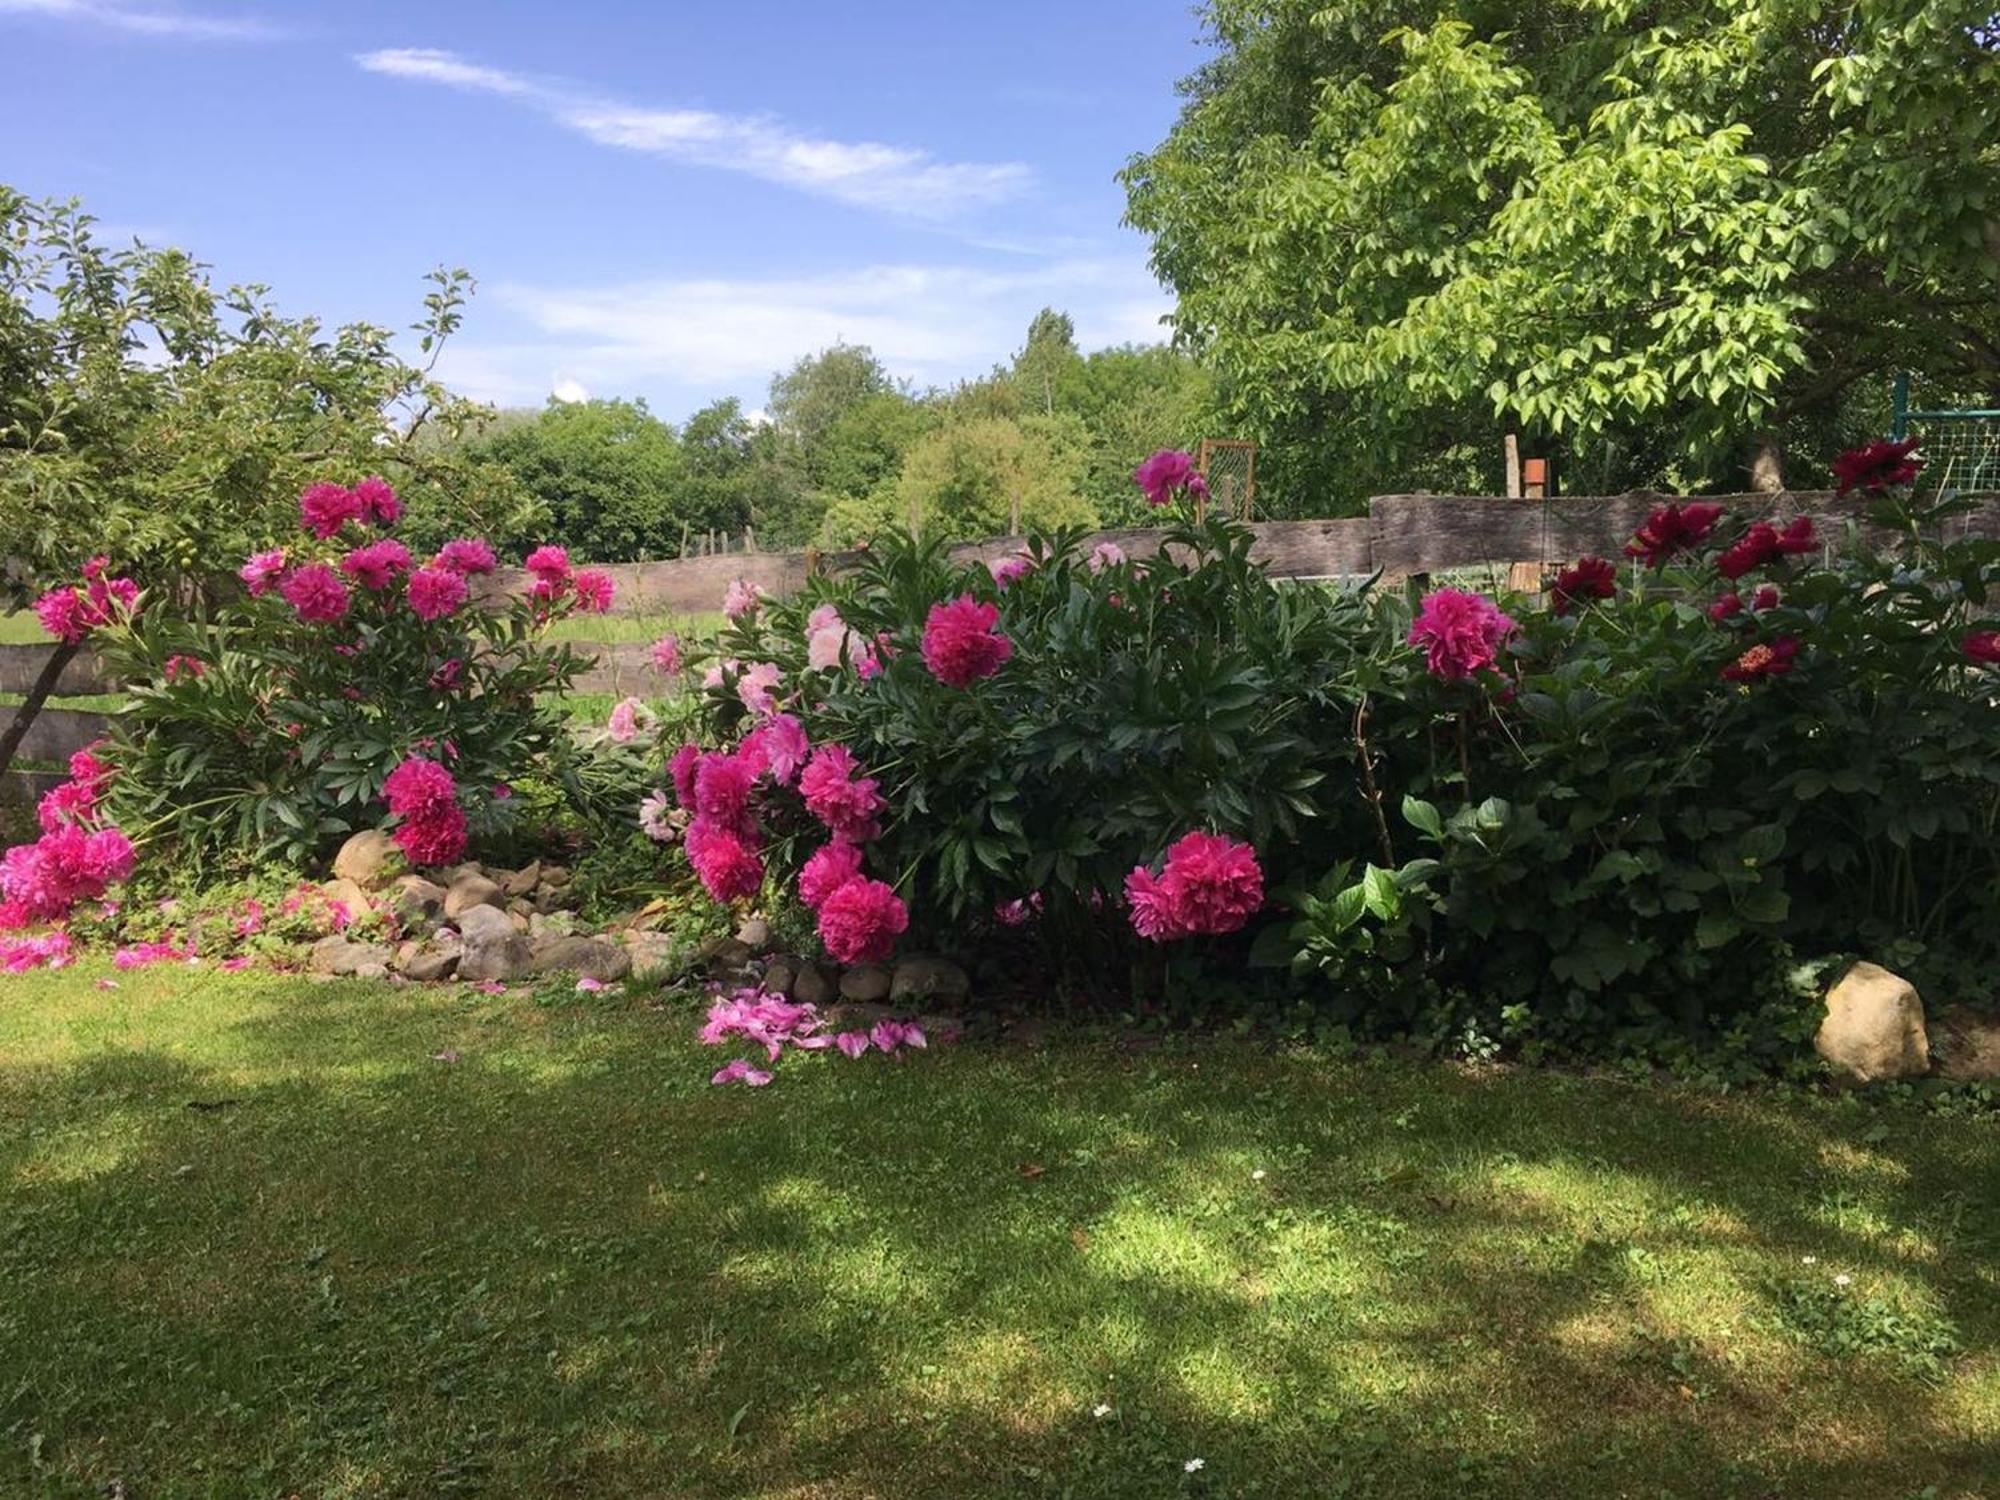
[(668, 200)]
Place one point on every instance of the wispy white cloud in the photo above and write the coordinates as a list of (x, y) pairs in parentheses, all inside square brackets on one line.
[(898, 179), (929, 324), (144, 21)]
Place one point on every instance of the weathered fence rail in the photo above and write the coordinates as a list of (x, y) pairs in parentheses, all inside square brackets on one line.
[(1402, 536)]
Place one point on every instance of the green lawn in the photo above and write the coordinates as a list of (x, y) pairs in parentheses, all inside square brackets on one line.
[(262, 1237)]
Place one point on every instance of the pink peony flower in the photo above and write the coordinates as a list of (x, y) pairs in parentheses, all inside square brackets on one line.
[(262, 572), (378, 501), (960, 642), (682, 768), (467, 555), (326, 507), (1166, 475), (316, 593), (1462, 632), (757, 687), (824, 617), (653, 818), (548, 564), (783, 747), (1011, 570), (181, 667), (844, 801), (623, 725), (666, 654), (829, 868), (435, 592), (376, 565), (1210, 885), (726, 861), (594, 590), (860, 921), (1105, 555), (742, 598)]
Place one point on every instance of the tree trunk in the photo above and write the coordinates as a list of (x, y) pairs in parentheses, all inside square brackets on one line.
[(52, 669), (1767, 464)]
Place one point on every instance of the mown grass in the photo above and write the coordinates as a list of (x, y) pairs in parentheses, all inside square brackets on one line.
[(268, 1237)]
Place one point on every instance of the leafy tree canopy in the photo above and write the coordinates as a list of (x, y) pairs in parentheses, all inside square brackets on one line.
[(606, 475), (977, 476), (1658, 236)]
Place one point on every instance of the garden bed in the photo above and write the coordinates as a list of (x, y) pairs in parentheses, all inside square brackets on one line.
[(271, 1237)]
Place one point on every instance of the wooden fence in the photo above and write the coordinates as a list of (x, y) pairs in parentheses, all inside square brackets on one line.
[(1402, 536)]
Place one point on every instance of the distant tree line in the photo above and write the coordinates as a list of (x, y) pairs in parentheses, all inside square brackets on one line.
[(844, 451)]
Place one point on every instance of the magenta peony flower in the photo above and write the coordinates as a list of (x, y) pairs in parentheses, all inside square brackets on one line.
[(722, 787), (594, 591), (419, 787), (180, 667), (73, 802), (682, 768), (1166, 475), (860, 921), (666, 654), (782, 746), (844, 801), (325, 507), (376, 565), (726, 861), (829, 868), (960, 642), (378, 501), (1591, 578), (467, 555), (315, 592), (438, 839), (548, 564), (64, 614), (1210, 885), (262, 572), (741, 599), (1726, 606), (1154, 916), (1462, 632), (435, 593)]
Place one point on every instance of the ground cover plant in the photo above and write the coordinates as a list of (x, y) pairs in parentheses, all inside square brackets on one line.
[(266, 1237)]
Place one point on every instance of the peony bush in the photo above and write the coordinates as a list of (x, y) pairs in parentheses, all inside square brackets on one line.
[(349, 682)]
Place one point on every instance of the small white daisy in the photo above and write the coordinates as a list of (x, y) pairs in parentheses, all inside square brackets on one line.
[(1258, 1175), (1842, 1279), (1808, 1260), (1194, 1465), (1101, 1410)]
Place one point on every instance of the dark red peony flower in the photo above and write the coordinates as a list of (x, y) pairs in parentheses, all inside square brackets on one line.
[(1591, 578), (1763, 545), (1670, 529), (1983, 646), (1877, 466)]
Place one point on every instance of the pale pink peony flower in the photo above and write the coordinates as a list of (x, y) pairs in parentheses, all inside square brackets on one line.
[(742, 598), (1011, 570), (1105, 555), (825, 617), (624, 723), (757, 687), (666, 654), (653, 818)]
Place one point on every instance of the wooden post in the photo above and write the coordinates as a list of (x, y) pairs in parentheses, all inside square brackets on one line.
[(1526, 479), (1513, 467)]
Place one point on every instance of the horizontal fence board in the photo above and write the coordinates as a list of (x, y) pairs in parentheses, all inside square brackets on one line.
[(21, 665), (621, 667), (58, 733)]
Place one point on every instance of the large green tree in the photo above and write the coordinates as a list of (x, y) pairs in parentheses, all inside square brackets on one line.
[(607, 476), (1658, 239), (977, 476)]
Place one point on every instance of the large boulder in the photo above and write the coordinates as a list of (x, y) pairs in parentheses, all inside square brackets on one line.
[(1874, 1026), (653, 952), (865, 982), (585, 957), (811, 986), (523, 881), (429, 960), (469, 890), (336, 954), (352, 898), (417, 901), (1969, 1046), (754, 934), (928, 979), (369, 859), (492, 949)]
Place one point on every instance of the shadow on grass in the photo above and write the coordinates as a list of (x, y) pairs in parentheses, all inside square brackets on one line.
[(562, 1264)]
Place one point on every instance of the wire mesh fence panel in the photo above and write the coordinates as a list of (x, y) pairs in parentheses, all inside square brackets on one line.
[(1229, 466), (1961, 452)]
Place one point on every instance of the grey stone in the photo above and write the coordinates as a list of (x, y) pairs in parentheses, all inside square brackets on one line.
[(550, 925), (754, 934), (417, 899), (428, 961), (342, 956), (520, 882), (371, 971), (929, 979), (468, 891), (367, 858), (865, 982), (1874, 1026), (653, 952), (855, 1015), (492, 948), (555, 876), (585, 957), (811, 986), (780, 975), (724, 953)]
